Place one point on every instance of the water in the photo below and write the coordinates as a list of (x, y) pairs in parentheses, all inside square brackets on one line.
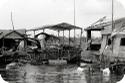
[(54, 74)]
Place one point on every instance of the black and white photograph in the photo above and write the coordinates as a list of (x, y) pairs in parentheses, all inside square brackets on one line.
[(62, 41)]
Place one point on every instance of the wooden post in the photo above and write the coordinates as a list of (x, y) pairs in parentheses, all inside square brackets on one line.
[(3, 46), (69, 37), (58, 33), (34, 33), (74, 17), (25, 44), (25, 31), (63, 37), (80, 38), (74, 34), (88, 35), (58, 49), (112, 20)]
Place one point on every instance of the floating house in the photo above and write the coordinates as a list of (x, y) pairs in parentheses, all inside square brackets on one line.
[(55, 47), (96, 52), (17, 46), (9, 40)]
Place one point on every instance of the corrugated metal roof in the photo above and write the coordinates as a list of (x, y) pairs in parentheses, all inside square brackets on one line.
[(108, 24), (98, 26), (106, 28)]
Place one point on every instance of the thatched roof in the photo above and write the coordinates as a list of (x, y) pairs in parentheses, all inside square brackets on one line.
[(62, 26), (57, 27), (13, 34)]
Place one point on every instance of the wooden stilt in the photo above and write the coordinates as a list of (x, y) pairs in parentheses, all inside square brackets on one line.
[(63, 37), (3, 46)]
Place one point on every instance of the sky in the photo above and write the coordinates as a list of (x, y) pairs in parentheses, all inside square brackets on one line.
[(36, 13)]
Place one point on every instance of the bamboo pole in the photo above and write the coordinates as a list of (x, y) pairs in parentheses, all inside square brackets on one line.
[(12, 20), (112, 14), (112, 21), (74, 17)]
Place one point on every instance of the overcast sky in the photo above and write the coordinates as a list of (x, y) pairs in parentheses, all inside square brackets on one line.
[(34, 13)]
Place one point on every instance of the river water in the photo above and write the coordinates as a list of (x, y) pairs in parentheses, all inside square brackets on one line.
[(54, 74)]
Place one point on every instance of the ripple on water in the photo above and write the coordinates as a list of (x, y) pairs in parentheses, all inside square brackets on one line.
[(52, 74)]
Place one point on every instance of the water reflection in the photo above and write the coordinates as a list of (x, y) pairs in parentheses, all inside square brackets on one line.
[(54, 74)]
